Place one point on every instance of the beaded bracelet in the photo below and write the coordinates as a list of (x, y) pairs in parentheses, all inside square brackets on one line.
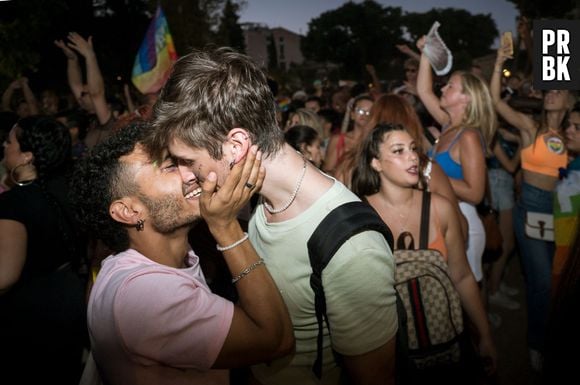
[(236, 243), (248, 270)]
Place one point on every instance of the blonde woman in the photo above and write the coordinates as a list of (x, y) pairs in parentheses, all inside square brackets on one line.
[(468, 120)]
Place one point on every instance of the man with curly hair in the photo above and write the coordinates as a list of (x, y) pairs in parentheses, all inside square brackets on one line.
[(152, 318)]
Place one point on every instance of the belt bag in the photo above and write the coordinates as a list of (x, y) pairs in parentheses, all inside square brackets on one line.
[(540, 226)]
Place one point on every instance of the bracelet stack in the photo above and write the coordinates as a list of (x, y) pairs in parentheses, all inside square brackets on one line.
[(247, 270)]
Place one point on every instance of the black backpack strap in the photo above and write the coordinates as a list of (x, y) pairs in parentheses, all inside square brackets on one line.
[(425, 210), (337, 227)]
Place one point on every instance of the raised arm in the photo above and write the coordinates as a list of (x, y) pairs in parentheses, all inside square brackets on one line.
[(29, 96), (464, 281), (376, 89), (7, 95), (513, 117), (73, 69), (94, 77), (425, 88), (261, 328), (404, 48)]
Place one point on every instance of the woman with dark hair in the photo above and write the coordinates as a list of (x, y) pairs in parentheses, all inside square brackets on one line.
[(386, 174), (42, 293), (307, 141)]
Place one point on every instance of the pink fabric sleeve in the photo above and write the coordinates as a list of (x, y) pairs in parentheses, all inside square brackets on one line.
[(168, 318)]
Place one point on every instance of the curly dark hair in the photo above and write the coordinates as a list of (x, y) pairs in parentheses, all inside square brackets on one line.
[(48, 140), (100, 178)]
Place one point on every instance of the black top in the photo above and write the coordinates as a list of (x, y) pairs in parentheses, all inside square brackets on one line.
[(42, 214), (44, 313)]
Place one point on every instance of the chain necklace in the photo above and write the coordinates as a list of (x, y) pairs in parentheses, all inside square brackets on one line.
[(272, 210)]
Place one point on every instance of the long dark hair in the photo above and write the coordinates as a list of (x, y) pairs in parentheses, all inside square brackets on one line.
[(50, 143), (365, 179)]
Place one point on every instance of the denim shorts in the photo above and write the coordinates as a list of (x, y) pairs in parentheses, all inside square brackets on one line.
[(501, 185)]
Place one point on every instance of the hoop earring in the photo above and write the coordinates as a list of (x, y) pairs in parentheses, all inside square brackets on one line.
[(13, 179), (140, 225)]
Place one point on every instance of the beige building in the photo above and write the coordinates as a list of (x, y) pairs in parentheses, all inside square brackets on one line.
[(288, 50)]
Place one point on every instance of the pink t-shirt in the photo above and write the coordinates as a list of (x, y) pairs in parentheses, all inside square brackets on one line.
[(154, 324)]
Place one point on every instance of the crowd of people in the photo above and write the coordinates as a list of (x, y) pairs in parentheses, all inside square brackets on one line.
[(101, 202)]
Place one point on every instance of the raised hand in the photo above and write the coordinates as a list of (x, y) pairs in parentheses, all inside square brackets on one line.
[(503, 53), (79, 44), (421, 42), (219, 207), (69, 53), (15, 84)]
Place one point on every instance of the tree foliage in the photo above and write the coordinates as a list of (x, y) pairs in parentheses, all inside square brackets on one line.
[(29, 27), (190, 22), (535, 9), (229, 31), (366, 33), (20, 46), (354, 34), (272, 54)]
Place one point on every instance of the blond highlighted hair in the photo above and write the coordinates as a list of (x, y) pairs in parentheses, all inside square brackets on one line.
[(480, 113)]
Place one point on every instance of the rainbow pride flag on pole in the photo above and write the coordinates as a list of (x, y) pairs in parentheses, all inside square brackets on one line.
[(155, 57)]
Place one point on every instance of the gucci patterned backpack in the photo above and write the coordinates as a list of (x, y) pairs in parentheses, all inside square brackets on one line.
[(429, 308)]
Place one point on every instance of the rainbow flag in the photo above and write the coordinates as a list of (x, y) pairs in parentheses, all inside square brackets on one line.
[(155, 57)]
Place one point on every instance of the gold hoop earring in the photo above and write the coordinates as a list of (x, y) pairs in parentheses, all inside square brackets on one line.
[(16, 182), (140, 225)]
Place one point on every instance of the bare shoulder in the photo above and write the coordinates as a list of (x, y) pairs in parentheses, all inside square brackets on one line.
[(471, 134), (471, 139)]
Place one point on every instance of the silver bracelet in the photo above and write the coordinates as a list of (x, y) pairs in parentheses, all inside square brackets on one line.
[(248, 270), (236, 243)]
